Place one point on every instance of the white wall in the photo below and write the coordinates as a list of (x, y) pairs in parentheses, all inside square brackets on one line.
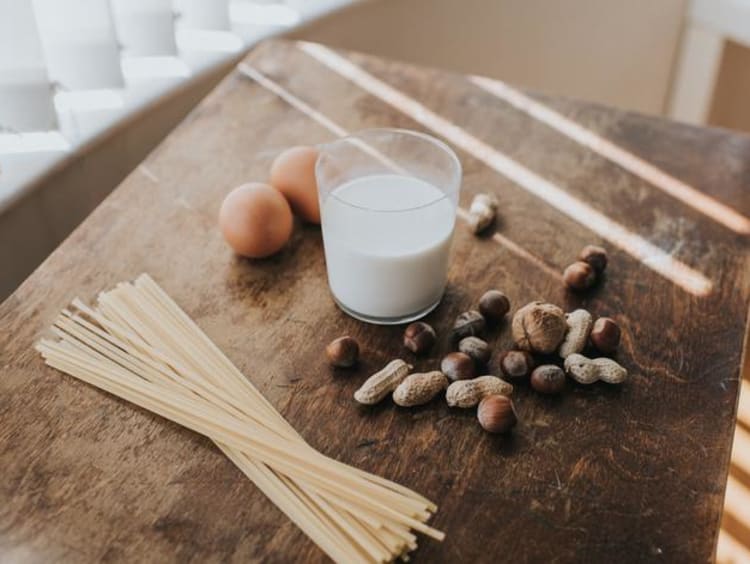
[(618, 52)]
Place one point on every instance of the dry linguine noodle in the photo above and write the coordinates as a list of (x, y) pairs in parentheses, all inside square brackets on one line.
[(140, 346)]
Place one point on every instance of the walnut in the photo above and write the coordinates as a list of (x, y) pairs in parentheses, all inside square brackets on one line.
[(539, 327)]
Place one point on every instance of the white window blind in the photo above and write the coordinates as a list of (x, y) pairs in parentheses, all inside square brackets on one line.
[(25, 92), (203, 14), (80, 47), (145, 27), (70, 69)]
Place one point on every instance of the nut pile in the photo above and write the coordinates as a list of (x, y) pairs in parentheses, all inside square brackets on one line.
[(471, 378), (543, 328), (462, 375)]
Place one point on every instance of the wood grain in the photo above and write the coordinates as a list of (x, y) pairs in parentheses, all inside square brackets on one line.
[(601, 473)]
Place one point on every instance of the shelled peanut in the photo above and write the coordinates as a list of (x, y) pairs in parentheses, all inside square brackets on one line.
[(589, 370), (383, 382), (468, 393), (418, 389), (579, 324)]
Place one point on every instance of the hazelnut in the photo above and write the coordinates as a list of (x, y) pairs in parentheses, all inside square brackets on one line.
[(605, 335), (516, 364), (458, 366), (496, 414), (468, 324), (579, 276), (548, 379), (343, 352), (476, 348), (494, 305), (539, 327), (419, 337), (594, 255)]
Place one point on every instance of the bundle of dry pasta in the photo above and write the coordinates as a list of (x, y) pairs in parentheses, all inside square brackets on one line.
[(139, 345)]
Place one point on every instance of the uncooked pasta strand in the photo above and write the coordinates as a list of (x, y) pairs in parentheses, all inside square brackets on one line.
[(143, 328), (245, 464), (207, 420), (140, 345), (111, 348), (145, 281), (200, 418)]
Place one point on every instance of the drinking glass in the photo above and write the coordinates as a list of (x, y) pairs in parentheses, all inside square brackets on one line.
[(388, 201)]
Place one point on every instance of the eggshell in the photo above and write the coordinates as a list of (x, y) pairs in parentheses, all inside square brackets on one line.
[(293, 174), (255, 220)]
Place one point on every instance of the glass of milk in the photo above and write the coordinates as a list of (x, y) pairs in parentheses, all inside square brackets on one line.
[(388, 201)]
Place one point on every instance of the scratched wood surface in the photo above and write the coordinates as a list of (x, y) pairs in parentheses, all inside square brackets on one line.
[(601, 473)]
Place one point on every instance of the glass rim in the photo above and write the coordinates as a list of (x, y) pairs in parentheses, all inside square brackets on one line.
[(439, 144)]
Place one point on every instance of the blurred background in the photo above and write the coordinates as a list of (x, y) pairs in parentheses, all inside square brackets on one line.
[(89, 87)]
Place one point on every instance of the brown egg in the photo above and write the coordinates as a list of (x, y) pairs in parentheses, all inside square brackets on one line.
[(293, 174), (255, 220)]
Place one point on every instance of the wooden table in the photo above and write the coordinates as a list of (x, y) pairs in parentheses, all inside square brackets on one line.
[(626, 473)]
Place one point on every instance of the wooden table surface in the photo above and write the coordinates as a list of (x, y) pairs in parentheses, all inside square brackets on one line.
[(626, 473)]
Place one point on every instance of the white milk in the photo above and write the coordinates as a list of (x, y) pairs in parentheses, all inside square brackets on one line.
[(387, 263)]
